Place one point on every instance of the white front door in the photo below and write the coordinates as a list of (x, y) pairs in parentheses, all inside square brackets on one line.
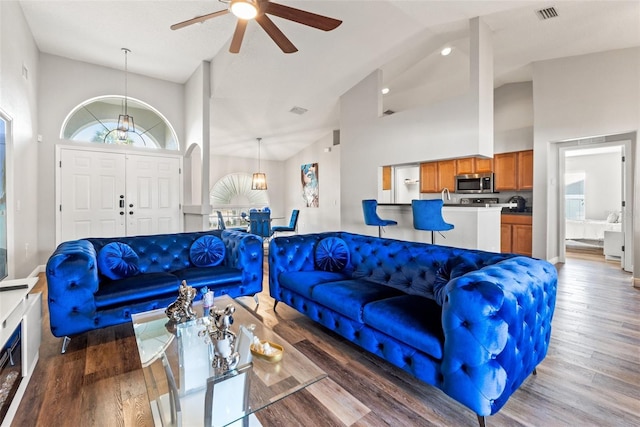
[(153, 195), (92, 191), (104, 194)]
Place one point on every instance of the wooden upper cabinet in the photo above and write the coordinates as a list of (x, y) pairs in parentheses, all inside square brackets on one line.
[(465, 166), (429, 177), (447, 175), (525, 170), (506, 169), (386, 177), (483, 165)]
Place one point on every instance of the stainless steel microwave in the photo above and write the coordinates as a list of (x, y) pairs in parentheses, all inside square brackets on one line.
[(474, 183)]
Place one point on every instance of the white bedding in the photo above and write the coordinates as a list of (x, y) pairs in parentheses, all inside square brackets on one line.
[(592, 229)]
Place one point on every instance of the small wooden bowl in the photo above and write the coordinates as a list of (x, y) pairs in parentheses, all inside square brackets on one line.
[(274, 357)]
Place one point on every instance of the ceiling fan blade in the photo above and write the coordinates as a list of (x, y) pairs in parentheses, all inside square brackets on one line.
[(274, 32), (198, 19), (302, 16), (238, 34)]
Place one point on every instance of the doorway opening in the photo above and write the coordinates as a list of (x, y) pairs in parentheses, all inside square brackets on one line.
[(595, 199)]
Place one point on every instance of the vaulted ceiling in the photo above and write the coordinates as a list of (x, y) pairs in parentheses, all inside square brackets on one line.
[(254, 90)]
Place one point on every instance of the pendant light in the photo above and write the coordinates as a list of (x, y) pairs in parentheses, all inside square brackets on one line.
[(259, 179), (125, 121)]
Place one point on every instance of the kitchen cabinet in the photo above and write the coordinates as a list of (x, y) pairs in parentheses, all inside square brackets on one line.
[(386, 177), (466, 166), (513, 171), (516, 234), (447, 175), (434, 176), (429, 177), (469, 165), (525, 170), (483, 165)]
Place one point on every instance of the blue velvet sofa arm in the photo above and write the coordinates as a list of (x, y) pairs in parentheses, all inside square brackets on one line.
[(290, 253), (497, 326), (72, 279), (245, 252)]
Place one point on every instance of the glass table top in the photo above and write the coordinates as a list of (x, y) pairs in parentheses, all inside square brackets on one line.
[(184, 389)]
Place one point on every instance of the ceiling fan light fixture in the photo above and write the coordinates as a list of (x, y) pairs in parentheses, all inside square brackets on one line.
[(244, 9)]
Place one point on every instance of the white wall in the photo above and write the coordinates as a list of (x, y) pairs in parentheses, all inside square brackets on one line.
[(456, 127), (580, 97), (513, 117), (603, 183), (65, 83), (326, 217), (18, 99)]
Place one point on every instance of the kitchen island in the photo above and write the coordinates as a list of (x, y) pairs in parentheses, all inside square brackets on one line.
[(475, 227)]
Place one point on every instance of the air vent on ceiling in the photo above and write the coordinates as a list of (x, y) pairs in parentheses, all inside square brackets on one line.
[(548, 13), (298, 110), (388, 112)]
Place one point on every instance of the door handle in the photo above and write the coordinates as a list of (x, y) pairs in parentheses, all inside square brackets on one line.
[(130, 212), (121, 204), (130, 205), (121, 213)]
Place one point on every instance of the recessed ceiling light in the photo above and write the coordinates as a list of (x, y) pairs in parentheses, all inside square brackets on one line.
[(446, 51), (385, 90)]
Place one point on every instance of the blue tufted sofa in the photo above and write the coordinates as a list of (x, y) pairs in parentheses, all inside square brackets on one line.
[(81, 298), (474, 324)]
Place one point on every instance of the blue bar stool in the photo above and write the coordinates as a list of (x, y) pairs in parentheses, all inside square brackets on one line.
[(371, 216), (427, 215)]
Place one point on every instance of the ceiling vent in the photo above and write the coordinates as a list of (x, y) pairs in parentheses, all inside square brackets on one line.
[(298, 110), (548, 13), (388, 112)]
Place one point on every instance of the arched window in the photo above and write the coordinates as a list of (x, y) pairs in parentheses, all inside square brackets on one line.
[(96, 120), (232, 195)]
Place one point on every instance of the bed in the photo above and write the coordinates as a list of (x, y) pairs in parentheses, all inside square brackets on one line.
[(589, 229)]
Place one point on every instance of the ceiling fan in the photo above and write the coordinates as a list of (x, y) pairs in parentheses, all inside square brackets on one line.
[(246, 10)]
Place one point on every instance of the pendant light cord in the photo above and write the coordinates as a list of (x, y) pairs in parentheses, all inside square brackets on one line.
[(126, 73)]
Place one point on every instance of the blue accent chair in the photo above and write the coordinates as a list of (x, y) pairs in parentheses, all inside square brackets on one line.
[(260, 224), (427, 215), (293, 224), (371, 216)]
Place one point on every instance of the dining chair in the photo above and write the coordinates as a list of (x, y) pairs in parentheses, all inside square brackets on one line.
[(222, 226), (260, 224), (293, 224), (371, 216), (427, 215)]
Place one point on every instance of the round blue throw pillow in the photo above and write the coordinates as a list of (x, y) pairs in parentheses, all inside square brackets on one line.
[(207, 251), (332, 254), (454, 267), (117, 260)]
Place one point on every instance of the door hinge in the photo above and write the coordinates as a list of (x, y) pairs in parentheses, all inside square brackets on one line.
[(179, 171), (623, 158), (622, 248), (624, 203), (60, 163), (60, 208)]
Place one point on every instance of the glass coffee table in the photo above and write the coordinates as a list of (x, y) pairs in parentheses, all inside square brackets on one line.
[(184, 389)]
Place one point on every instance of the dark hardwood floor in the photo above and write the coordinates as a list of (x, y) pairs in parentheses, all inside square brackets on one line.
[(591, 376)]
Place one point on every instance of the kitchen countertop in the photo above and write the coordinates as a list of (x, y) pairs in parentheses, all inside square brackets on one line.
[(460, 205), (507, 212)]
